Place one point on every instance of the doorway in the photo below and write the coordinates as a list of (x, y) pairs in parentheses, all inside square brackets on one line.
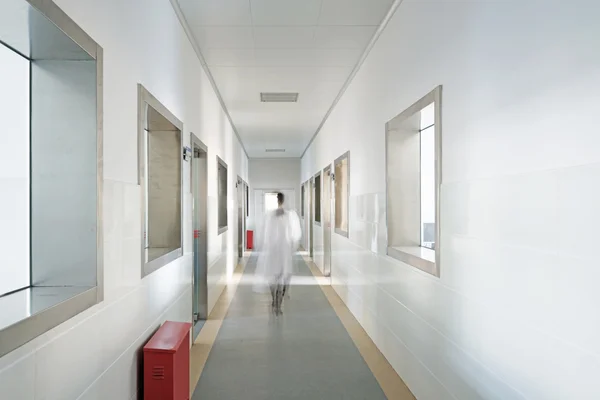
[(271, 203), (327, 180), (200, 239), (242, 201), (311, 211)]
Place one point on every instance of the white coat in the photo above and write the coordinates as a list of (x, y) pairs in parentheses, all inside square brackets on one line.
[(280, 239)]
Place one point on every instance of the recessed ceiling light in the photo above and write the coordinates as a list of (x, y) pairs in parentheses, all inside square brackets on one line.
[(275, 150), (278, 97)]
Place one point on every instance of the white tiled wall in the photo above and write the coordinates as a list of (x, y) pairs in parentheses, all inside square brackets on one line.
[(513, 315), (96, 355)]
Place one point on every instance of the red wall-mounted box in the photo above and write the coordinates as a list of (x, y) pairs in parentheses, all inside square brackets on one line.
[(167, 363)]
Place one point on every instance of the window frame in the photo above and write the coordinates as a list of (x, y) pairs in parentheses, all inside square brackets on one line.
[(339, 231), (420, 258), (222, 228), (146, 100), (25, 330)]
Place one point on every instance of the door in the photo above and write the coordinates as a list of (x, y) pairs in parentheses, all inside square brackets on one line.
[(311, 213), (326, 209), (241, 216), (200, 238)]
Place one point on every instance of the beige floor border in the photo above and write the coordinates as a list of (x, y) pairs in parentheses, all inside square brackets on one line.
[(393, 386), (208, 334)]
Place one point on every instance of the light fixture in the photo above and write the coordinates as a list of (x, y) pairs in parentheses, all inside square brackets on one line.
[(281, 97)]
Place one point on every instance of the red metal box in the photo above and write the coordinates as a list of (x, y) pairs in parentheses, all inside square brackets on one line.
[(167, 363), (249, 239)]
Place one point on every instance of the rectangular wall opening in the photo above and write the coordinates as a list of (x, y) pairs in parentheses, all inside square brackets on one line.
[(222, 191), (161, 179), (342, 193), (50, 171), (317, 189), (413, 165)]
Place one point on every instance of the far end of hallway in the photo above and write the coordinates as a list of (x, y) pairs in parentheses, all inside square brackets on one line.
[(315, 350)]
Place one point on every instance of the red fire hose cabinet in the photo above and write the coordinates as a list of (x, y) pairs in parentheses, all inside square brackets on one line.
[(167, 363), (249, 240)]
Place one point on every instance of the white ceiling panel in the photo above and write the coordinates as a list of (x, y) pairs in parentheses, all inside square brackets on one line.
[(229, 57), (354, 12), (217, 12), (343, 37), (231, 37), (307, 47), (250, 58), (274, 79), (284, 37), (310, 101), (307, 57), (285, 12)]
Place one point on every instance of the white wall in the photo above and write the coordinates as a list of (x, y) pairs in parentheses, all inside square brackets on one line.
[(514, 313), (63, 181), (14, 171), (273, 174), (96, 354)]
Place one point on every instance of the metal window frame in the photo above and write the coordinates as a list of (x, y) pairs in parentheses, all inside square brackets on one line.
[(224, 228), (145, 100), (435, 96), (339, 231), (26, 330)]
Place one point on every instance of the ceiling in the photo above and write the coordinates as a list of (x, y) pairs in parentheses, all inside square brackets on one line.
[(304, 46)]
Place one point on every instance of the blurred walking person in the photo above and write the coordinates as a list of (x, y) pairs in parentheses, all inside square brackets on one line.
[(280, 240)]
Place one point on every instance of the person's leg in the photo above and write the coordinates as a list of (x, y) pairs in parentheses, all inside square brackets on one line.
[(273, 288), (281, 293), (286, 286)]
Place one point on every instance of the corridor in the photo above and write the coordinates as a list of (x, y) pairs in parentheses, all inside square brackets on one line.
[(442, 159), (305, 354)]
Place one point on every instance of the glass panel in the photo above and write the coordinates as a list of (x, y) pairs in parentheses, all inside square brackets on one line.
[(428, 116), (428, 187), (14, 171)]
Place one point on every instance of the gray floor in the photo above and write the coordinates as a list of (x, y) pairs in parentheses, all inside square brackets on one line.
[(304, 354)]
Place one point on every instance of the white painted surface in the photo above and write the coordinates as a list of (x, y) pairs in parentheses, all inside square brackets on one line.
[(63, 173), (14, 171), (95, 356), (514, 313), (273, 175), (307, 46)]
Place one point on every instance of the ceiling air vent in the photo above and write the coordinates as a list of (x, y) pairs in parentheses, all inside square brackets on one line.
[(279, 97), (275, 150)]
